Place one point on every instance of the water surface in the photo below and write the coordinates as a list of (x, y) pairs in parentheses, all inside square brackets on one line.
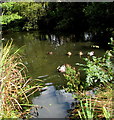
[(34, 51)]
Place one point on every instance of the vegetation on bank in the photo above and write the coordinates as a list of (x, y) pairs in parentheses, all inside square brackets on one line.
[(22, 15), (67, 17), (15, 86), (72, 18), (94, 92)]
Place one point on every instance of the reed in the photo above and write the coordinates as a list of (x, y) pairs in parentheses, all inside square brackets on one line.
[(15, 87), (87, 109), (98, 107)]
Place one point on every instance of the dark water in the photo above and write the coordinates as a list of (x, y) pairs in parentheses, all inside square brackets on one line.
[(34, 50)]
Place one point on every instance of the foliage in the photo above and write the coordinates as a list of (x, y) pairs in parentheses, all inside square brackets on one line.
[(95, 18), (31, 13), (28, 12), (100, 16), (7, 7), (106, 113), (69, 17), (99, 73), (73, 79), (15, 87), (111, 43), (98, 69), (65, 17), (100, 21), (6, 19), (7, 13), (104, 96)]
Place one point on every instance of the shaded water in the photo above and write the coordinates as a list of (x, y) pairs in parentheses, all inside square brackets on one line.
[(35, 48)]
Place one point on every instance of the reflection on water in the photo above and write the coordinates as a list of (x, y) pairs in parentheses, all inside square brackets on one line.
[(55, 103), (35, 55)]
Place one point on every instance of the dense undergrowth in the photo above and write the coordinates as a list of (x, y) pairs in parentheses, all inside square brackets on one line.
[(94, 93), (15, 87)]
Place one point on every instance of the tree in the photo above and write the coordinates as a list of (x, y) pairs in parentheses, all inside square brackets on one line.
[(7, 14), (100, 19), (28, 13), (65, 17), (31, 13)]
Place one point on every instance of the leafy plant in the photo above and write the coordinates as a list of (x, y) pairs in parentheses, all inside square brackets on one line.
[(98, 69), (99, 72), (7, 14), (111, 43), (73, 79), (24, 14)]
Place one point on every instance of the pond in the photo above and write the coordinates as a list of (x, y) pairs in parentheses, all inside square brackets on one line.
[(42, 54)]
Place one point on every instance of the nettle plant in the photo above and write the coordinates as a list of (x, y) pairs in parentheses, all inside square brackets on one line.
[(98, 69)]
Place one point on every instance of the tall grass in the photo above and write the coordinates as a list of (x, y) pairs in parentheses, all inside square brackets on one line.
[(97, 107), (15, 88)]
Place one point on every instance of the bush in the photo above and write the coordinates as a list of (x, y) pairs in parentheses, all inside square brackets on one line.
[(98, 69)]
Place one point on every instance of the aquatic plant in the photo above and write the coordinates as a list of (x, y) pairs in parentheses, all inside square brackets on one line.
[(104, 101), (15, 87)]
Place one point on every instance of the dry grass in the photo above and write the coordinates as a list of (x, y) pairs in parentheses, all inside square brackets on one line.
[(15, 88), (101, 105)]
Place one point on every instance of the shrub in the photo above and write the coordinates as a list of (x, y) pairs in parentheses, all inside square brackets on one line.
[(98, 69)]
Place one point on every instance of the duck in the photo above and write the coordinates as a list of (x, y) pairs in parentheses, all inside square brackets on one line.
[(61, 68), (94, 46), (80, 53), (50, 53), (69, 53), (91, 53)]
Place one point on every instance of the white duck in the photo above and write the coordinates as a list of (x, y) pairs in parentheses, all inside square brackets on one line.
[(91, 53), (69, 53), (62, 68), (80, 53)]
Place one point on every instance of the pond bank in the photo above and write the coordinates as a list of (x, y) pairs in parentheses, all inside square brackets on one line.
[(39, 63)]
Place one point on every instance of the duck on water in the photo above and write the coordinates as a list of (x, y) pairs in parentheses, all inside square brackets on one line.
[(62, 68)]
